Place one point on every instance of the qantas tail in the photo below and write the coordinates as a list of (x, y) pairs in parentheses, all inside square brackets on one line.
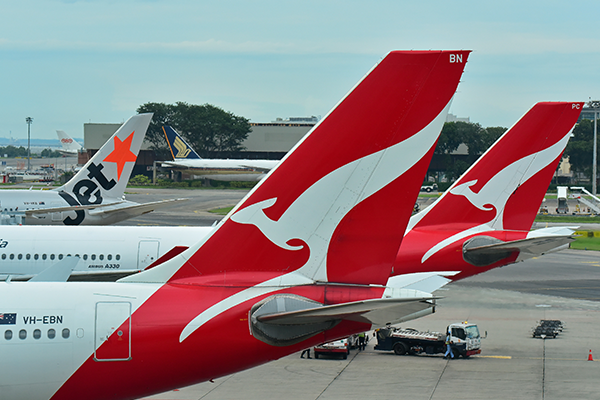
[(179, 148), (106, 174), (504, 188), (68, 144), (330, 211)]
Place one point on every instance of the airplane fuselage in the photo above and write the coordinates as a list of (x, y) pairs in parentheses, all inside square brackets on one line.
[(230, 165), (103, 250), (50, 344)]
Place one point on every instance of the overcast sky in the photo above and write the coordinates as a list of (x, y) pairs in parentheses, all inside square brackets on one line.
[(65, 63)]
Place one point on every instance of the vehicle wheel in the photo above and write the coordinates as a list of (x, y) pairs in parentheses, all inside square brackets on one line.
[(400, 349), (345, 356), (316, 355), (428, 190)]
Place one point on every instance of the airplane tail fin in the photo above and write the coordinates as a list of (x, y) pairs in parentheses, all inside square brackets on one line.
[(330, 211), (106, 174), (504, 188), (67, 142), (178, 147)]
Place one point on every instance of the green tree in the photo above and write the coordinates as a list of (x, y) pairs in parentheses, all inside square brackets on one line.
[(207, 128), (49, 153), (473, 135), (581, 146)]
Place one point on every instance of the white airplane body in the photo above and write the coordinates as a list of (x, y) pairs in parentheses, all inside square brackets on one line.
[(229, 165), (295, 264), (94, 196), (184, 157), (69, 146), (110, 251)]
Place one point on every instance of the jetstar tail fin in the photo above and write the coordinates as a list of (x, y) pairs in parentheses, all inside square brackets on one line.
[(179, 148), (311, 219), (106, 174), (504, 187)]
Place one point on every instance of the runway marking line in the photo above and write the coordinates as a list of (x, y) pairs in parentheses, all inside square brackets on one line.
[(500, 357)]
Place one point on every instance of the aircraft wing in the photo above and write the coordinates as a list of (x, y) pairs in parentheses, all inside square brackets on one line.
[(67, 208), (378, 312), (135, 209), (257, 168), (58, 272)]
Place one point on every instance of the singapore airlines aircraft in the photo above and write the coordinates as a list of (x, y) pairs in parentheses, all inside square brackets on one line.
[(94, 196), (483, 221), (184, 157), (69, 146), (298, 262)]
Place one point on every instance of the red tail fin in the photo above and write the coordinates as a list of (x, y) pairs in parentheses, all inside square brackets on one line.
[(505, 187), (331, 210)]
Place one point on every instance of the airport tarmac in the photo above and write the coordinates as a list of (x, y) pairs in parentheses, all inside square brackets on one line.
[(505, 303)]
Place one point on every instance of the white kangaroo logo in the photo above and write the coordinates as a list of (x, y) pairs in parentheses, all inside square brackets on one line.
[(490, 197), (316, 213)]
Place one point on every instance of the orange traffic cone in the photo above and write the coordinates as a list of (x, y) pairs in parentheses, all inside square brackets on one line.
[(590, 358)]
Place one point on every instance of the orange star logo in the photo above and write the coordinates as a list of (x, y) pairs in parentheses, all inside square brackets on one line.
[(121, 154)]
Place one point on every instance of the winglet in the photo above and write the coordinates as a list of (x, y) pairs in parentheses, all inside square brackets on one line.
[(58, 272)]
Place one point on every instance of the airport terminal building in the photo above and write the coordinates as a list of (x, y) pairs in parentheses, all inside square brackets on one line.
[(266, 140)]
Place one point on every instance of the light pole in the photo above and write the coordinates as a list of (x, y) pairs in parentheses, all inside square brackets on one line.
[(29, 120), (594, 105)]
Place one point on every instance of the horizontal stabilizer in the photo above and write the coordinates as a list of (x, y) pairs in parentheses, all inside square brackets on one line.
[(58, 272), (530, 247), (422, 281), (137, 209), (378, 312)]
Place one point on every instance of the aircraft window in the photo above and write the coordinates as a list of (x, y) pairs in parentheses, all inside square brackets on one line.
[(60, 256), (8, 334), (43, 256), (85, 256), (66, 333), (20, 256), (76, 255), (4, 256), (101, 257), (80, 333), (118, 257), (36, 256), (93, 257), (52, 256), (109, 257), (22, 334), (28, 256), (51, 333), (37, 334), (12, 256)]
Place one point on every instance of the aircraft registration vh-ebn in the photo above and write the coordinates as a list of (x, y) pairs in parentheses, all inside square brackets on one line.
[(298, 262)]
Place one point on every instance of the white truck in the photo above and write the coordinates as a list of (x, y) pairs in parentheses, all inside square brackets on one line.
[(464, 340), (562, 207)]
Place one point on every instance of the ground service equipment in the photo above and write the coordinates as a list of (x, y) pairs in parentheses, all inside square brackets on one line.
[(465, 340)]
